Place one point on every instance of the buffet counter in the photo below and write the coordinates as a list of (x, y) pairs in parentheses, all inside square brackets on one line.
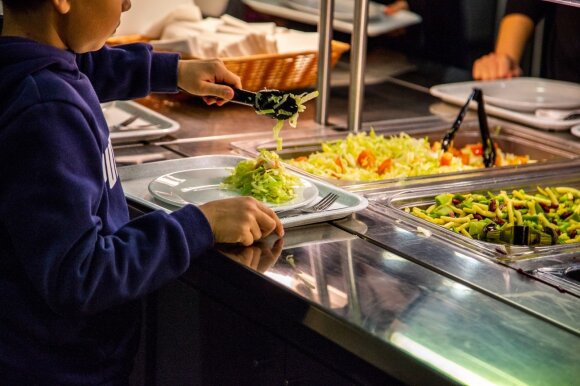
[(369, 299)]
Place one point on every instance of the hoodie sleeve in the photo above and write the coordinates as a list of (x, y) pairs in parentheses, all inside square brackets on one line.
[(129, 71), (57, 218)]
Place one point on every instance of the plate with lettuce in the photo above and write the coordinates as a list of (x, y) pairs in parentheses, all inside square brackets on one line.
[(263, 178)]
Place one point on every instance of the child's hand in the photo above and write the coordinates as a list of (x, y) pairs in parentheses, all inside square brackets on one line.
[(241, 220), (260, 256), (201, 77), (495, 66)]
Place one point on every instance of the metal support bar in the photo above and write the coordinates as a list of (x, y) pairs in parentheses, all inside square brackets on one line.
[(357, 65), (324, 60)]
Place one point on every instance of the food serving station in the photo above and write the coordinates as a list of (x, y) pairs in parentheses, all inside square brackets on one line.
[(372, 298), (362, 293)]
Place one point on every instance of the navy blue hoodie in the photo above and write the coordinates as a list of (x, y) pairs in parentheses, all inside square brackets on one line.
[(72, 265)]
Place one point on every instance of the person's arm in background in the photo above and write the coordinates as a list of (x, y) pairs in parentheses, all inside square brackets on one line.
[(514, 32), (516, 28), (396, 6)]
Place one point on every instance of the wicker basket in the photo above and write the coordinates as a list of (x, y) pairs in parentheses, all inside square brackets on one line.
[(290, 71)]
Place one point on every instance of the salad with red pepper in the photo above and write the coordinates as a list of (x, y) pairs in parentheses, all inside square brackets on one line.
[(372, 157)]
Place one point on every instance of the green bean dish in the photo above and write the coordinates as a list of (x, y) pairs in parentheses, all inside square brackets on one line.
[(551, 215)]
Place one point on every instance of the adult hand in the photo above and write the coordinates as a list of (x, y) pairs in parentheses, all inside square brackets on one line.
[(259, 256), (495, 66), (395, 7), (203, 78), (241, 220)]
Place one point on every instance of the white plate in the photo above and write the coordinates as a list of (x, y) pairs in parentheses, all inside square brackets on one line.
[(343, 9), (529, 94), (457, 93), (377, 26), (198, 186)]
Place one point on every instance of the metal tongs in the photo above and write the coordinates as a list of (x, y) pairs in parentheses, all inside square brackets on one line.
[(272, 103), (486, 141)]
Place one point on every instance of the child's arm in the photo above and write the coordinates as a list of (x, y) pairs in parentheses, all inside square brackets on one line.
[(129, 71), (134, 70)]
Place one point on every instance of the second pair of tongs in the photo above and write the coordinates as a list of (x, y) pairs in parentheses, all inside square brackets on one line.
[(486, 141), (272, 103)]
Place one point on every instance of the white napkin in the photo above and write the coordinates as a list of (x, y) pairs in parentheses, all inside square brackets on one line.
[(184, 30), (184, 12), (294, 41)]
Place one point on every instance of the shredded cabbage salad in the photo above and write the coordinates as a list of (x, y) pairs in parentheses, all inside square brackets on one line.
[(371, 157), (292, 119), (264, 178)]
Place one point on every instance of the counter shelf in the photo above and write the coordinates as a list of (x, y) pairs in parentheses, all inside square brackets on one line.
[(509, 139)]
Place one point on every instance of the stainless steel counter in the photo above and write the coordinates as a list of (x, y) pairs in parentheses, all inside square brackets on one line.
[(392, 310), (416, 308)]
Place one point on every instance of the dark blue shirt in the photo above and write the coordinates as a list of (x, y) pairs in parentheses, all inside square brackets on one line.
[(72, 265)]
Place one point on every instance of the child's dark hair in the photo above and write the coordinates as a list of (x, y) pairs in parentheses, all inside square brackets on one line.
[(22, 5)]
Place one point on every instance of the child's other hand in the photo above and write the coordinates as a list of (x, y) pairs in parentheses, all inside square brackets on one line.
[(260, 256), (495, 66), (241, 220), (202, 77)]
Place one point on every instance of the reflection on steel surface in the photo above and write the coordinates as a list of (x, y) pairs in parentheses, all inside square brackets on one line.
[(398, 302)]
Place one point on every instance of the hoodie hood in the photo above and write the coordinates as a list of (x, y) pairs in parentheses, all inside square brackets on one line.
[(20, 58)]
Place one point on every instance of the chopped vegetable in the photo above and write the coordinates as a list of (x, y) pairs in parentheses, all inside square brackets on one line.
[(264, 178), (277, 110), (371, 157), (519, 218)]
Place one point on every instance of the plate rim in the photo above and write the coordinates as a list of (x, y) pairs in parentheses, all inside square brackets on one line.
[(337, 14), (455, 93), (529, 106), (575, 130)]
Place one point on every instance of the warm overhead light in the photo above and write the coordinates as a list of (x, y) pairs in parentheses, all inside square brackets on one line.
[(573, 3)]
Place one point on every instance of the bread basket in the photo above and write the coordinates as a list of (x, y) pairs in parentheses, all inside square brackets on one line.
[(288, 71)]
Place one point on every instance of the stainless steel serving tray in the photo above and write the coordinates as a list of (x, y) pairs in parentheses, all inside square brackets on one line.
[(136, 180), (507, 137), (392, 204), (147, 125)]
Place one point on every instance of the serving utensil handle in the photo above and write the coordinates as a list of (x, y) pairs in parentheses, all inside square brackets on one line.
[(244, 97), (450, 134), (486, 141)]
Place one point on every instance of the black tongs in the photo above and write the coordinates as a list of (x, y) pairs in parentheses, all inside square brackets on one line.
[(272, 103), (486, 141)]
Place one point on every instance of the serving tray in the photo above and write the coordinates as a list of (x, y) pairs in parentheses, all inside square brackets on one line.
[(136, 180), (148, 124), (393, 204), (505, 134)]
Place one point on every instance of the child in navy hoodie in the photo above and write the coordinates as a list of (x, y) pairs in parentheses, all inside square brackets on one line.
[(72, 264)]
